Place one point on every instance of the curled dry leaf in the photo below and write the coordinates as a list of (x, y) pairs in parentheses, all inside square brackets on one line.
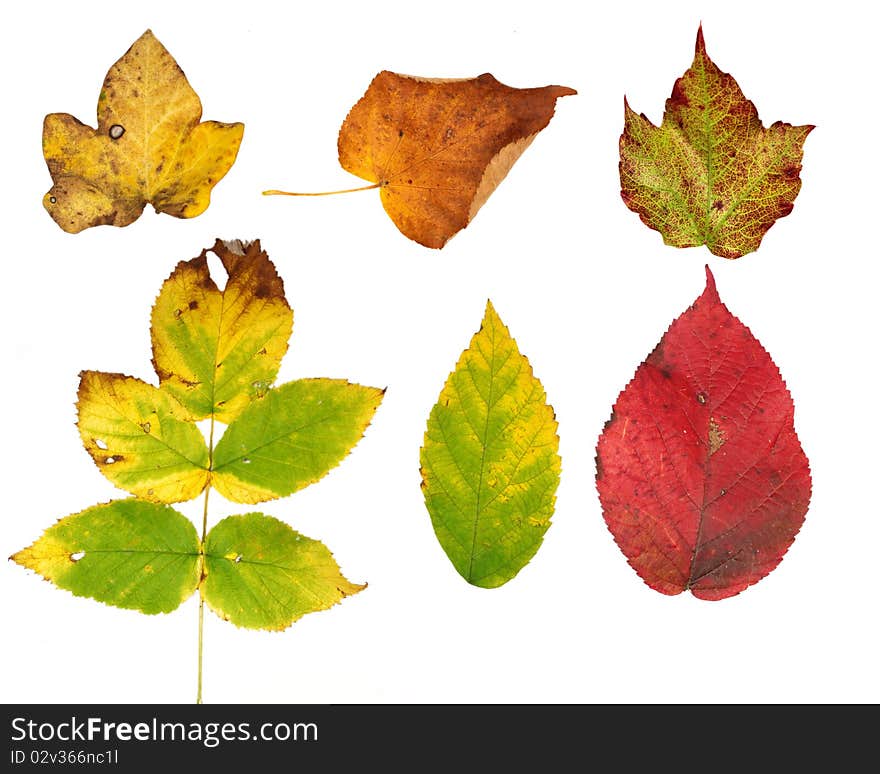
[(149, 147), (437, 149), (702, 479), (711, 174)]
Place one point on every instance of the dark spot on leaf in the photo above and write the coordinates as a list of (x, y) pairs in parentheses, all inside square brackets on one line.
[(177, 312), (145, 426), (193, 305), (400, 133), (718, 205), (791, 171)]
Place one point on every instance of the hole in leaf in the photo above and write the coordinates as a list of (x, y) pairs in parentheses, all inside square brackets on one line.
[(205, 426), (53, 200), (100, 444), (109, 460), (217, 272), (116, 131), (145, 426), (245, 460), (237, 559), (77, 555)]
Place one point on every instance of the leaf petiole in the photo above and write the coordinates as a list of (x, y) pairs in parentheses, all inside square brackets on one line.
[(274, 192), (202, 559)]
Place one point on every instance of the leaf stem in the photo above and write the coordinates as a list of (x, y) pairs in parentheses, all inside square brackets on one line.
[(202, 549), (274, 192)]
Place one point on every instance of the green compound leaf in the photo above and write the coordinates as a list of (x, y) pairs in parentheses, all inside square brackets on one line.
[(217, 350), (291, 437), (141, 438), (261, 574), (490, 465), (216, 353), (127, 553), (711, 174)]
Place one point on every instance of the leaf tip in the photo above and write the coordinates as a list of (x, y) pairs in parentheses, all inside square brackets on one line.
[(490, 316), (700, 47), (711, 291)]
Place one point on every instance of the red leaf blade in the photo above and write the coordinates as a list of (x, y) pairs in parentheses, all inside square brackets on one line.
[(701, 476)]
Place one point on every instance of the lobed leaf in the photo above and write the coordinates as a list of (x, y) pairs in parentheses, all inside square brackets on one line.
[(489, 462), (438, 148), (141, 438), (126, 553), (214, 350), (149, 147), (712, 173), (291, 437), (702, 479), (261, 574)]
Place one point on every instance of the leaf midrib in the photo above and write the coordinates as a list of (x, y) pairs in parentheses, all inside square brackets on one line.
[(477, 509)]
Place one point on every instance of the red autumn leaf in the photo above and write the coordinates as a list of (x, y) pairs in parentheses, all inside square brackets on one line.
[(702, 479)]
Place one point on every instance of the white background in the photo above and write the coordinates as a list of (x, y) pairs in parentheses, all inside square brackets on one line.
[(584, 287)]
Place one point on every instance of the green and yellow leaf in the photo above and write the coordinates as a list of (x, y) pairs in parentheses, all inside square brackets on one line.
[(291, 437), (261, 574), (149, 147), (490, 465), (711, 174), (214, 350), (127, 553), (141, 438)]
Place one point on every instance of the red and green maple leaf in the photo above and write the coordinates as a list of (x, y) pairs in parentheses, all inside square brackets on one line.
[(702, 479), (711, 174)]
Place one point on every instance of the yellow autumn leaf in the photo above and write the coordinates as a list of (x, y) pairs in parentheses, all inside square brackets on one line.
[(490, 462), (149, 147), (141, 438), (217, 350)]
